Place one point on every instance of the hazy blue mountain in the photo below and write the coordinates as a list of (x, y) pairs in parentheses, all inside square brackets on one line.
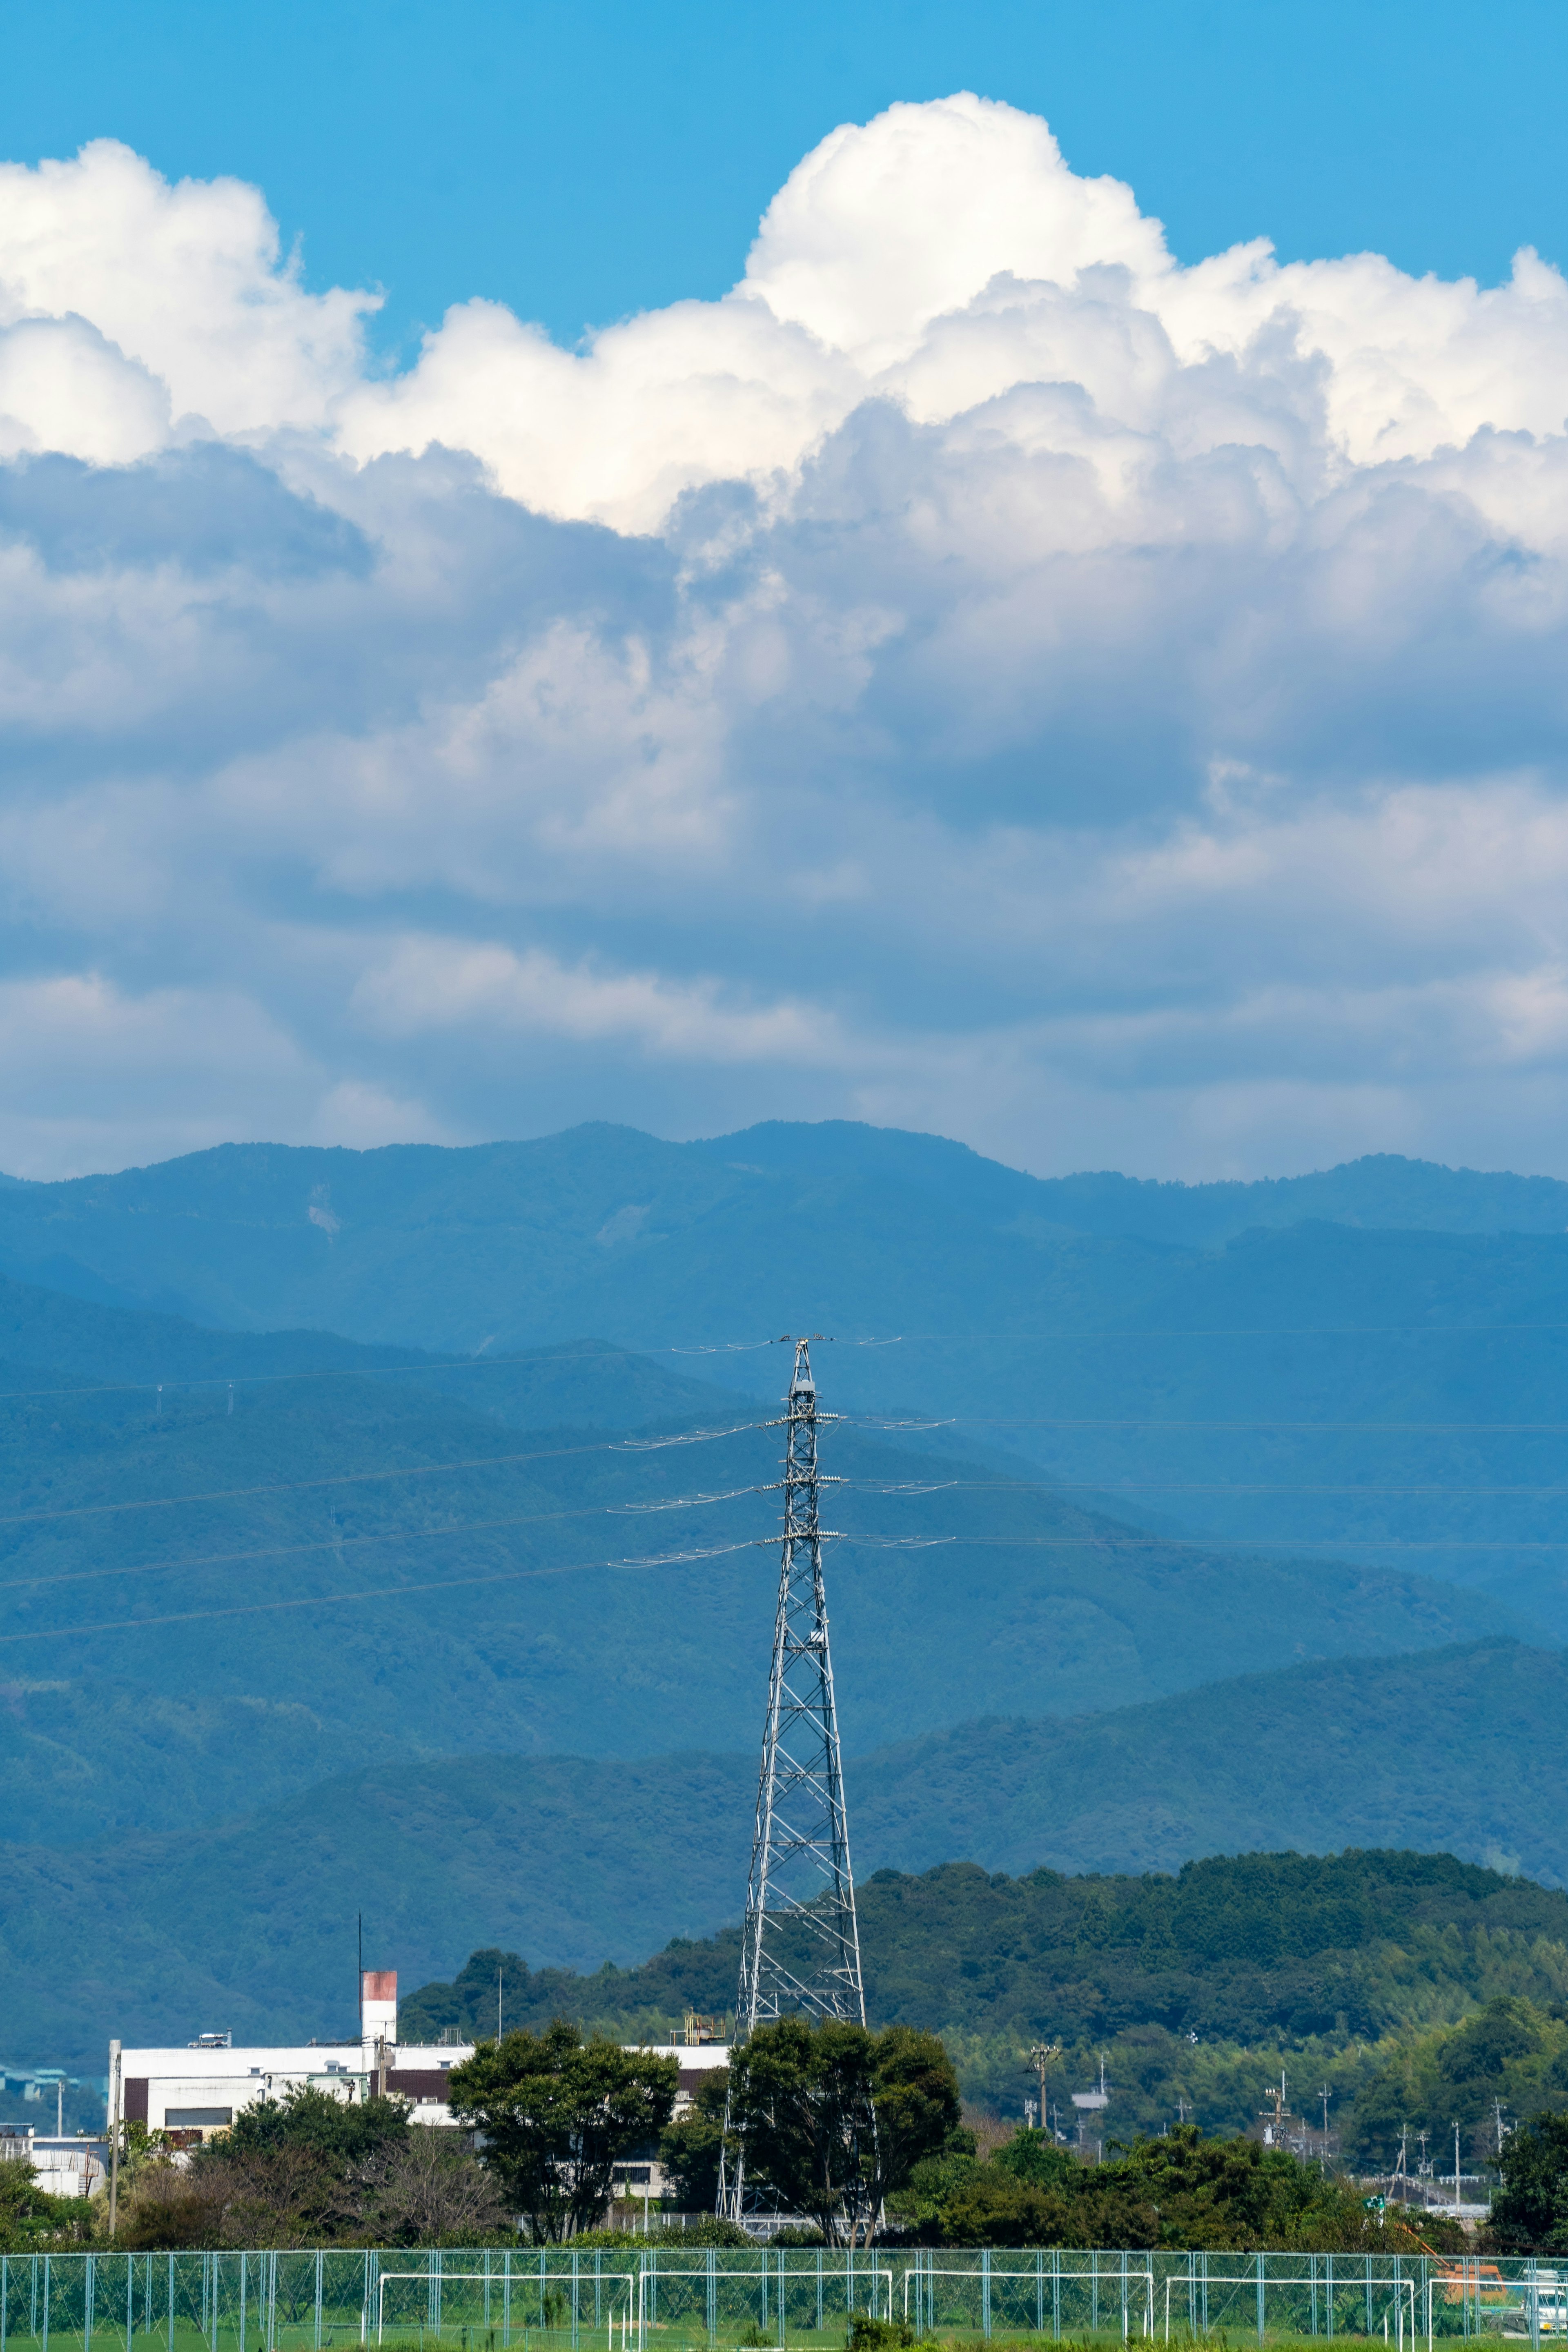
[(249, 1923), (417, 1244), (351, 1544), (1100, 1327)]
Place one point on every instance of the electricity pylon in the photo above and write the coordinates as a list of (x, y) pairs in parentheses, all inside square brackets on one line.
[(800, 1953)]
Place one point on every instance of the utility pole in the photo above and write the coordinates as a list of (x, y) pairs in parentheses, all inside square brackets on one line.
[(800, 1948), (115, 2070), (1456, 2167), (1041, 2055), (497, 2004)]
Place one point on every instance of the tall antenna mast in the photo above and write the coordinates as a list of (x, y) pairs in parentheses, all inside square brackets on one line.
[(800, 1953)]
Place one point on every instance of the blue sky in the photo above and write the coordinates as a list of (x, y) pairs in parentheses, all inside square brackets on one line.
[(1039, 615), (578, 161)]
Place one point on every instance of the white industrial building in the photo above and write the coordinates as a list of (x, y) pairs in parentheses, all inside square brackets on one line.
[(193, 2090), (66, 2166), (200, 2087)]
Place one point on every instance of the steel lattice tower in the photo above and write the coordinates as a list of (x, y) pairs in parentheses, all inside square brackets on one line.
[(800, 1890)]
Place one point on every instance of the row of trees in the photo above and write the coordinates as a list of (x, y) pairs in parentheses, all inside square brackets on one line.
[(834, 2120), (850, 2128)]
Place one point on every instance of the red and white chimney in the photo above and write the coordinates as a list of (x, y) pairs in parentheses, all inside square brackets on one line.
[(378, 2006)]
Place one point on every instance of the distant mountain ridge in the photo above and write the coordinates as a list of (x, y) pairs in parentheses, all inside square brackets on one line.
[(450, 1247)]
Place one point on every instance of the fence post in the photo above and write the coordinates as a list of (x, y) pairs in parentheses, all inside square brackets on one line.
[(1056, 2292), (47, 2300), (4, 2296), (712, 2294), (242, 2299), (576, 2258), (986, 2293), (819, 2289), (784, 2282)]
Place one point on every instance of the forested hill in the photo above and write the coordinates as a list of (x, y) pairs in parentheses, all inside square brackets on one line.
[(1243, 1949), (567, 1858)]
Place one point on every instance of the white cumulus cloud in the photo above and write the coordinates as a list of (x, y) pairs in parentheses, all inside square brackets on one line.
[(980, 672)]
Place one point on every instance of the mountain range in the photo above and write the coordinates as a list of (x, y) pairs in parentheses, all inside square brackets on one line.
[(247, 1923), (389, 1533), (1372, 1360)]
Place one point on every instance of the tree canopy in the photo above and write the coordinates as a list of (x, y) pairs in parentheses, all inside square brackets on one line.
[(1529, 2213), (557, 2113), (310, 2168), (832, 2118), (1181, 2189)]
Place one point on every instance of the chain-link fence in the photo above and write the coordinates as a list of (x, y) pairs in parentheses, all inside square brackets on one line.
[(552, 2299)]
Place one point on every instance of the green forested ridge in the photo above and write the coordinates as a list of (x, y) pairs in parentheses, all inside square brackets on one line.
[(1416, 1989), (1234, 1949), (1385, 1294), (245, 1923)]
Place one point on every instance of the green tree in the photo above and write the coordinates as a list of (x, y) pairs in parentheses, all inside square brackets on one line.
[(834, 2118), (1530, 2212), (1181, 2189), (691, 2146), (307, 2170), (311, 2118), (557, 2115), (29, 2216)]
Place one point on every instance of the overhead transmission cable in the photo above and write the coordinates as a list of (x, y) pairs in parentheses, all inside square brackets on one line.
[(439, 1370)]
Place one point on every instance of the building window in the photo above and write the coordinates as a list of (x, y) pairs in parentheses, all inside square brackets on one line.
[(196, 2118)]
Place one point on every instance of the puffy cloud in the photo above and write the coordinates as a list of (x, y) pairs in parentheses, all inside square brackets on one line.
[(979, 673)]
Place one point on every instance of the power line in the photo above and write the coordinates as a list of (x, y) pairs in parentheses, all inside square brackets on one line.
[(325, 1543), (1175, 1486), (335, 1599), (1061, 1420), (441, 1367), (362, 1477), (357, 1478)]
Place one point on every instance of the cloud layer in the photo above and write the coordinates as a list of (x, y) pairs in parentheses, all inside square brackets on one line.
[(979, 675)]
